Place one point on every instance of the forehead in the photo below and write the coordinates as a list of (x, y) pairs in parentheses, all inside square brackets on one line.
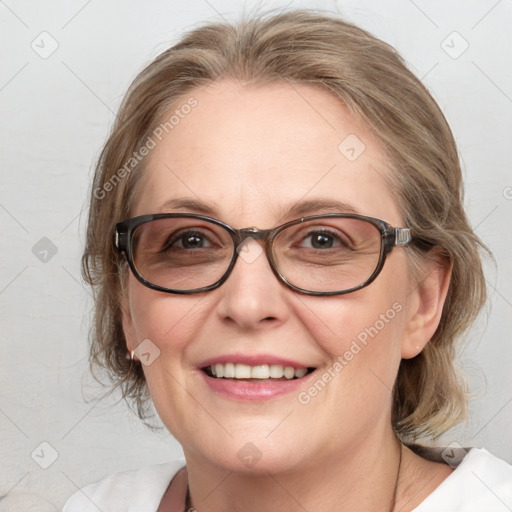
[(251, 153)]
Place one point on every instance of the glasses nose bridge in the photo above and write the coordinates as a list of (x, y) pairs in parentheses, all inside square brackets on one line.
[(258, 235), (254, 233)]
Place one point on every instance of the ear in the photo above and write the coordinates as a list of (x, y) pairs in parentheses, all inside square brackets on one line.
[(426, 303)]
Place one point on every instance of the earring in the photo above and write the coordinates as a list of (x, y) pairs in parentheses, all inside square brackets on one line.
[(131, 355)]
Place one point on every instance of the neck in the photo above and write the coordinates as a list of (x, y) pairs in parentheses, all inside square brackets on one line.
[(363, 478)]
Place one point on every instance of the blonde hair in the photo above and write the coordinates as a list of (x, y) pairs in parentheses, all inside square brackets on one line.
[(371, 79)]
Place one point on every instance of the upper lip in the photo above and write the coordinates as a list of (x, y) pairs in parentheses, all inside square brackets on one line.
[(253, 360)]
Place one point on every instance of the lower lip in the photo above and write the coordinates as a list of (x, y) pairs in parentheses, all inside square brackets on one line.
[(239, 389)]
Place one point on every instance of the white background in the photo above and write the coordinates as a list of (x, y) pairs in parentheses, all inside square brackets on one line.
[(55, 115)]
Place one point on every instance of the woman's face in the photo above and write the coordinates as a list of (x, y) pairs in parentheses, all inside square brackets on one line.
[(246, 155)]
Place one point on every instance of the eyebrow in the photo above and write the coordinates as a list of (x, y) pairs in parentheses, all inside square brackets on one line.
[(189, 205), (299, 209), (319, 206)]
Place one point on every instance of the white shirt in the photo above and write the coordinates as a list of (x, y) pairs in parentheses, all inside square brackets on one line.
[(480, 483)]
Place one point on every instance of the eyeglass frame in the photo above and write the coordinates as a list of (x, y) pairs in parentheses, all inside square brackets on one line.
[(390, 237)]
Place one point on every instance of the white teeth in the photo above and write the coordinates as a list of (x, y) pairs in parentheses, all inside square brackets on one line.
[(229, 370), (289, 372), (300, 372), (276, 371), (262, 371), (242, 371)]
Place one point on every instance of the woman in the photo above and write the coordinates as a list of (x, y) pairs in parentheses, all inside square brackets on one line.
[(282, 263)]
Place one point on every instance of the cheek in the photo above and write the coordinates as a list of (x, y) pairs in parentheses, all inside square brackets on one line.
[(364, 352), (169, 321), (361, 316), (361, 333)]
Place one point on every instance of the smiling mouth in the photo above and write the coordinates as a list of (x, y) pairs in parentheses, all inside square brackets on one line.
[(260, 372)]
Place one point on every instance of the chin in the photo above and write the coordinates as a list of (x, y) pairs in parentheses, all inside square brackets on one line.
[(249, 455), (250, 460)]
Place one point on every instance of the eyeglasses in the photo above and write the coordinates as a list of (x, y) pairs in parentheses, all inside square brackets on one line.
[(328, 254)]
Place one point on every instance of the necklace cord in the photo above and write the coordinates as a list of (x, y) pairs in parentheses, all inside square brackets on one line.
[(393, 503)]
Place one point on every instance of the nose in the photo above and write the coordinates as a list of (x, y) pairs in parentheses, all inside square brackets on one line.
[(252, 296)]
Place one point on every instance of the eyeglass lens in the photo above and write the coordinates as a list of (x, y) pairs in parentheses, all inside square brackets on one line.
[(328, 254)]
